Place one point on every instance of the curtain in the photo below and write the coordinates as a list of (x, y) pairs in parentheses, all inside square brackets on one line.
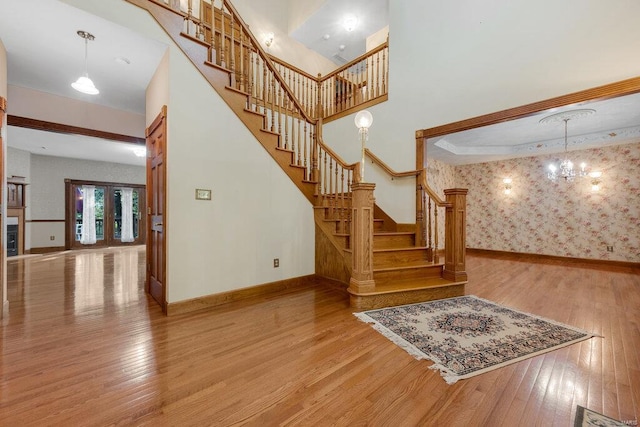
[(127, 215), (88, 236)]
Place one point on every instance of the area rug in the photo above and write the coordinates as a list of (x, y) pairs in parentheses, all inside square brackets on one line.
[(588, 418), (467, 336)]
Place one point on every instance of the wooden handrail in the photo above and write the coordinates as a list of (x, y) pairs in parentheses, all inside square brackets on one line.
[(432, 194), (336, 71), (293, 68), (267, 59), (336, 156), (387, 168), (355, 61), (255, 45)]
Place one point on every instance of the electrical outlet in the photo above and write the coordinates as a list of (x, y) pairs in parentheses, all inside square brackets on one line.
[(609, 248), (276, 262), (52, 237)]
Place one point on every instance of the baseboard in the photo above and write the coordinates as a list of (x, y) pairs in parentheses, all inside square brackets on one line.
[(332, 283), (214, 300), (600, 264), (44, 250)]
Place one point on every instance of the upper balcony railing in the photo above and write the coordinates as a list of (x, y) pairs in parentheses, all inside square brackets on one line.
[(355, 85)]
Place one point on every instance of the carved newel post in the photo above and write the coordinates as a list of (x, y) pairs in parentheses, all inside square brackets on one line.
[(455, 225), (362, 238), (362, 218)]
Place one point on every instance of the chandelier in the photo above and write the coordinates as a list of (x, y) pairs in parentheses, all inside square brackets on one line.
[(565, 170)]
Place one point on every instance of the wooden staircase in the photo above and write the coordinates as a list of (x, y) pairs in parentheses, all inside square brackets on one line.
[(402, 270), (402, 266)]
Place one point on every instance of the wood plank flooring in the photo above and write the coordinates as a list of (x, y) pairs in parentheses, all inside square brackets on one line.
[(84, 346)]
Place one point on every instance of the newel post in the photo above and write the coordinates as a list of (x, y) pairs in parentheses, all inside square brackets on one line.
[(455, 225), (362, 238)]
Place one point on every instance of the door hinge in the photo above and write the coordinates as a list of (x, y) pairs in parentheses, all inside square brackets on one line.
[(148, 210)]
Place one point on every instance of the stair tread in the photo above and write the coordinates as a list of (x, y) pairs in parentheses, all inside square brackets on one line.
[(214, 65), (394, 233), (411, 284), (257, 113), (285, 150), (240, 91), (406, 248), (273, 133)]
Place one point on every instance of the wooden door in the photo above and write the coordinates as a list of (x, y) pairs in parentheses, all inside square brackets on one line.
[(156, 179), (3, 297)]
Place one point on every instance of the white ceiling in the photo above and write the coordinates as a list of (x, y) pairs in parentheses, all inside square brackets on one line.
[(371, 15), (45, 54), (615, 121)]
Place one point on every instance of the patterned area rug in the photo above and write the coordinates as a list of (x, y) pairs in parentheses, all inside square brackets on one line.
[(588, 418), (467, 336)]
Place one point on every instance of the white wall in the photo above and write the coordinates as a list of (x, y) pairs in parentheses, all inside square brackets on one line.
[(34, 104), (272, 16), (455, 60), (3, 70), (256, 214), (46, 192)]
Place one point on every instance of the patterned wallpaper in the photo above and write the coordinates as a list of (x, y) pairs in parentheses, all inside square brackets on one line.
[(440, 176), (554, 218)]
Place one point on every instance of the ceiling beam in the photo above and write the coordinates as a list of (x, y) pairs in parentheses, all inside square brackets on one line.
[(25, 122), (624, 87)]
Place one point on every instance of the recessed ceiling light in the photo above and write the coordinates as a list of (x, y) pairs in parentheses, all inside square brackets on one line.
[(122, 60), (326, 37), (140, 151), (342, 47)]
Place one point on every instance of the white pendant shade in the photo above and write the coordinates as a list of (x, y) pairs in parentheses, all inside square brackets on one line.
[(85, 85)]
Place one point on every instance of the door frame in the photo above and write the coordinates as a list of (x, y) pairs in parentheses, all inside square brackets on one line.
[(4, 303), (159, 121)]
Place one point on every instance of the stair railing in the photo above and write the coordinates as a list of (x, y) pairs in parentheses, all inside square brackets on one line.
[(429, 207), (360, 82), (234, 48)]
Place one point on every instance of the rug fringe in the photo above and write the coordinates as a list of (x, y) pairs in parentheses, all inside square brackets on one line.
[(397, 340), (449, 376)]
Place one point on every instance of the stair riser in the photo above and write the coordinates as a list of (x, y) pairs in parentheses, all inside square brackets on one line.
[(428, 272), (398, 258), (369, 302), (395, 241)]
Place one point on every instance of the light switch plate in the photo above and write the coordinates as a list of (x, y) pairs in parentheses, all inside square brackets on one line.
[(203, 194)]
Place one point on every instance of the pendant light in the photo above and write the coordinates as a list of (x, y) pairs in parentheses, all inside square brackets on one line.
[(84, 83)]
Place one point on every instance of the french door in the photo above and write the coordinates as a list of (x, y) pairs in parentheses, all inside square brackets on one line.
[(118, 214)]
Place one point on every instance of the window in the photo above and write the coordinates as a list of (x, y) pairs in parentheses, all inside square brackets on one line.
[(110, 207)]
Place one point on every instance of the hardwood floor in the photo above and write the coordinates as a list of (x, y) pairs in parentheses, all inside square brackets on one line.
[(83, 345)]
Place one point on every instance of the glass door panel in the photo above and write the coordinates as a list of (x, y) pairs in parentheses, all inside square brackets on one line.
[(100, 191), (79, 201)]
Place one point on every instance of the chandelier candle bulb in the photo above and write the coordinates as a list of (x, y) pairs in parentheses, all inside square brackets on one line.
[(566, 170)]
